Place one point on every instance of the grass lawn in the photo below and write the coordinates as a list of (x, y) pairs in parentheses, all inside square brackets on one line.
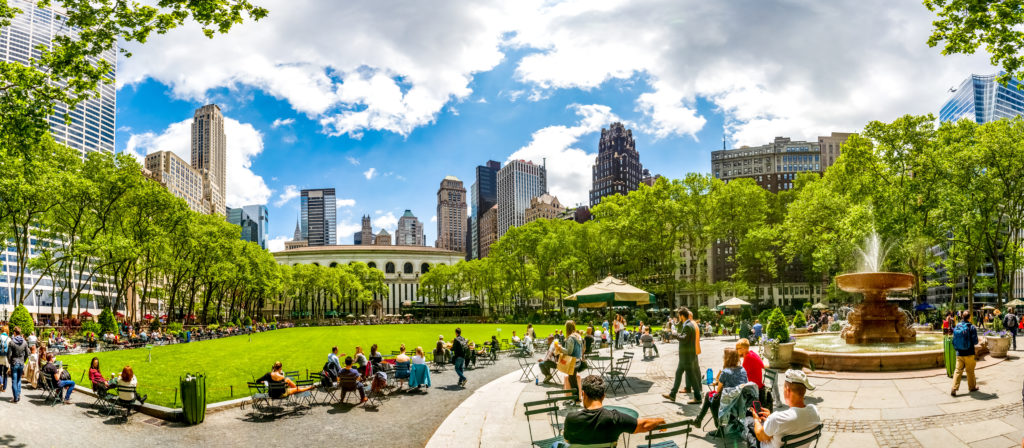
[(235, 360)]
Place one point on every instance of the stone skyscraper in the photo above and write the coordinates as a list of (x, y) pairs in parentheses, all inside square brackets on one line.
[(451, 215), (319, 217), (209, 154), (365, 234), (617, 169), (519, 181), (410, 231)]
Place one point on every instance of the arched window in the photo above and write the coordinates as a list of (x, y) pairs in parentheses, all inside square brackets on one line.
[(389, 268), (424, 268), (316, 264), (372, 265), (407, 268), (334, 264)]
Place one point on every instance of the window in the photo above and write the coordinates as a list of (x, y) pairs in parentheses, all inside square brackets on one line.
[(407, 268), (372, 265), (424, 268), (389, 268)]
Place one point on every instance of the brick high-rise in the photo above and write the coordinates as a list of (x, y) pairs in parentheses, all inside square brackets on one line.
[(451, 215), (617, 169)]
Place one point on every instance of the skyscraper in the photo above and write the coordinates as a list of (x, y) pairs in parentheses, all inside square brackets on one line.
[(209, 154), (982, 99), (451, 215), (365, 234), (483, 195), (617, 169), (250, 227), (261, 216), (518, 182), (92, 122), (178, 177), (410, 231), (318, 219)]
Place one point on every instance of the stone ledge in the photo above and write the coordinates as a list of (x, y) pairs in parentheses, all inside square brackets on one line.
[(175, 414)]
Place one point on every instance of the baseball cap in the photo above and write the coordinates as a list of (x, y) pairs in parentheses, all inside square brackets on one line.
[(798, 376)]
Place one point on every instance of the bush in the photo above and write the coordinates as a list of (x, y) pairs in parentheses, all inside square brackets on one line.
[(835, 327), (763, 317), (90, 326), (22, 319), (997, 324), (745, 330), (107, 322), (247, 322), (212, 327), (747, 315), (154, 325), (46, 333), (778, 328), (706, 315), (799, 320), (263, 320), (640, 316), (174, 327)]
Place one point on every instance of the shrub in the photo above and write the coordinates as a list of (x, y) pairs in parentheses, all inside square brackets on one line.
[(835, 327), (247, 322), (763, 317), (747, 315), (640, 316), (46, 333), (778, 328), (107, 322), (729, 321), (212, 327), (745, 330), (263, 320), (174, 327), (154, 325), (799, 320), (90, 326), (706, 315), (997, 324), (21, 318)]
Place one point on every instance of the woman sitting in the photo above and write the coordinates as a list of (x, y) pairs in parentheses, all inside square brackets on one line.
[(280, 386), (419, 374), (731, 375), (402, 357), (360, 360), (99, 383), (127, 378)]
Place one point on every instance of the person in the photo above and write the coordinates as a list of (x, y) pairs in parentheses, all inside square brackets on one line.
[(375, 360), (5, 349), (127, 378), (696, 356), (418, 357), (439, 350), (402, 357), (332, 358), (595, 424), (530, 333), (965, 337), (646, 338), (53, 371), (731, 375), (687, 353), (758, 328), (276, 375), (588, 341), (766, 430), (419, 374), (617, 330), (32, 368), (471, 355), (573, 347), (459, 347), (947, 324), (515, 339), (17, 354), (32, 339), (1010, 321), (495, 347), (99, 382), (754, 366), (550, 359), (351, 373), (360, 359)]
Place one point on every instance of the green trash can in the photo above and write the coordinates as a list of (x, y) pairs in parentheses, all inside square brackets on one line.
[(949, 354), (193, 398)]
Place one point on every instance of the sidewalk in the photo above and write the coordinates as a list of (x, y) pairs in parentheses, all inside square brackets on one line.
[(858, 413)]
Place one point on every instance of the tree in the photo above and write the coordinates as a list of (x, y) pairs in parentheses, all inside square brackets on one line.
[(107, 321), (965, 25)]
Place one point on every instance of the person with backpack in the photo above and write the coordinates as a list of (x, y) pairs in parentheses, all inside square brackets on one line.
[(5, 350), (1011, 321), (965, 337), (17, 353), (459, 348)]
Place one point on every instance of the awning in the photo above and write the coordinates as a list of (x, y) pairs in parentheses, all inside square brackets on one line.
[(609, 292)]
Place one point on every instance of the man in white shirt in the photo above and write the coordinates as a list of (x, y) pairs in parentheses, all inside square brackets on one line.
[(550, 360), (515, 339), (767, 430)]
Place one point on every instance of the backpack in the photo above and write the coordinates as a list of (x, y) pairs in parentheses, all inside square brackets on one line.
[(5, 345), (1010, 321), (961, 337)]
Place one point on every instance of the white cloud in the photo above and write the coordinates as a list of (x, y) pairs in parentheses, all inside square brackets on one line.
[(282, 122), (244, 143), (433, 218), (370, 173), (290, 192), (346, 203), (569, 168), (276, 244), (386, 221), (346, 229), (352, 160)]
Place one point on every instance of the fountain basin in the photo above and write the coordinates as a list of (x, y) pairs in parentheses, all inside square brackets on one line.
[(829, 351), (875, 320), (863, 282)]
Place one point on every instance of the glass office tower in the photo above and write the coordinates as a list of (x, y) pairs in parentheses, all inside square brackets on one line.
[(982, 98)]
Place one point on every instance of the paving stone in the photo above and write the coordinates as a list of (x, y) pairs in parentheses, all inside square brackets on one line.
[(981, 430)]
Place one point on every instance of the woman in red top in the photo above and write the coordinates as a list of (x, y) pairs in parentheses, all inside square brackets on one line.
[(947, 324), (96, 376)]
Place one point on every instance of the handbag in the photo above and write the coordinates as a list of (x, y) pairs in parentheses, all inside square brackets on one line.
[(567, 364)]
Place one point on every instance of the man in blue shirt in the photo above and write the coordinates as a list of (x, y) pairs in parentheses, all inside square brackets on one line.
[(757, 330), (333, 357), (968, 334)]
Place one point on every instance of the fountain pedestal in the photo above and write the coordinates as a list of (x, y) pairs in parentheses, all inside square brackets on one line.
[(875, 320)]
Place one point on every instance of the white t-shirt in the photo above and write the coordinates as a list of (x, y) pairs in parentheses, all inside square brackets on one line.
[(789, 422), (417, 359)]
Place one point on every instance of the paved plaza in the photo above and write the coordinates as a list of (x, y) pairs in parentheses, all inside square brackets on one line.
[(858, 412)]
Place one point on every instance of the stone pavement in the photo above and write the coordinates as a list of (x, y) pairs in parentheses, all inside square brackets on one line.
[(860, 413)]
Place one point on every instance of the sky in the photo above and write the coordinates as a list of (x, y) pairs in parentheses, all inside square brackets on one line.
[(382, 100)]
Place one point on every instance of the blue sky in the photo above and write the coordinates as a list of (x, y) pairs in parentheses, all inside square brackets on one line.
[(385, 106)]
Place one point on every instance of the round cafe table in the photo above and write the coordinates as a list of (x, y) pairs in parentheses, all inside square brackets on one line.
[(628, 411)]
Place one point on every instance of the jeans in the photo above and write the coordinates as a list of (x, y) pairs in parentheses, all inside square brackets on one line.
[(460, 363), (3, 377), (17, 371), (710, 403), (1013, 338), (68, 384)]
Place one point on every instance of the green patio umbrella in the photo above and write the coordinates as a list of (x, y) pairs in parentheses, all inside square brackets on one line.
[(609, 292)]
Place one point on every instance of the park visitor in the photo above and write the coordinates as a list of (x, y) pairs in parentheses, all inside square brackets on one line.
[(128, 378), (515, 339), (594, 424), (99, 382), (276, 375), (530, 333), (696, 357), (5, 348), (351, 373), (766, 430), (754, 366), (376, 359), (360, 360), (402, 357), (758, 328), (648, 340), (550, 359), (588, 341), (332, 358), (573, 347), (687, 337), (418, 357), (731, 375), (54, 372), (32, 367), (965, 337), (1011, 321), (17, 353), (459, 347)]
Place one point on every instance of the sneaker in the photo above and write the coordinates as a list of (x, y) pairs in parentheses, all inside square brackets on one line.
[(67, 402), (669, 397), (952, 393), (464, 382), (547, 379), (363, 400), (975, 389)]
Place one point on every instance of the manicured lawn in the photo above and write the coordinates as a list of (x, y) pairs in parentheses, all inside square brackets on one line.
[(235, 360)]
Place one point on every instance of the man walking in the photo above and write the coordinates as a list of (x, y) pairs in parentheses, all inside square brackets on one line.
[(459, 355), (687, 358), (965, 337), (1010, 321), (17, 354)]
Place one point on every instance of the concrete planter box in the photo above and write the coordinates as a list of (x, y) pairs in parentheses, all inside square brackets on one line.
[(784, 357), (998, 346)]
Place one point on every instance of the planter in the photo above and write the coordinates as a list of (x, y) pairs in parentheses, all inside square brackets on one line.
[(782, 356), (801, 330), (998, 346), (922, 327)]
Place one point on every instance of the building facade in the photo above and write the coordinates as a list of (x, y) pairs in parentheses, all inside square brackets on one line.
[(774, 166), (410, 231), (981, 98), (383, 238), (365, 234), (451, 215), (261, 215), (178, 177), (544, 206), (402, 267), (830, 147), (483, 194), (519, 181), (617, 169), (249, 227), (318, 217), (488, 230), (209, 155)]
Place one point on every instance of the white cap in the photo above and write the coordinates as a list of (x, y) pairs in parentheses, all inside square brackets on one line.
[(798, 376)]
